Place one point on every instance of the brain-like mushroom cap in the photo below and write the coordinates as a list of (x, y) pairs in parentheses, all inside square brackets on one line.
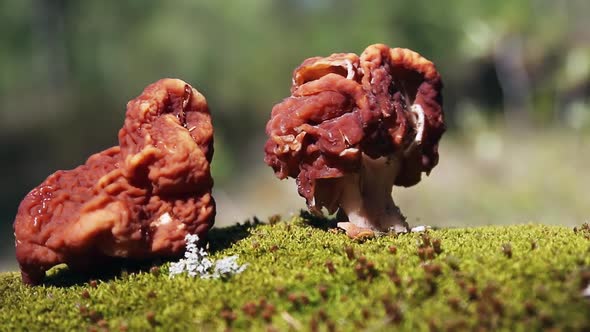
[(135, 200), (344, 106)]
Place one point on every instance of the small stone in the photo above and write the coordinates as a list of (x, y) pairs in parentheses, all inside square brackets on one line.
[(419, 229)]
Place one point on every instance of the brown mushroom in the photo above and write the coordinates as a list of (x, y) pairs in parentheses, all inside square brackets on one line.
[(354, 127), (136, 200)]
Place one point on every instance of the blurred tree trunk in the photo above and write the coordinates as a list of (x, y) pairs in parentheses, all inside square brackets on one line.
[(514, 82), (49, 62)]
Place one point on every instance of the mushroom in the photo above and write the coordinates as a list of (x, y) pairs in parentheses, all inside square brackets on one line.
[(353, 128), (137, 200)]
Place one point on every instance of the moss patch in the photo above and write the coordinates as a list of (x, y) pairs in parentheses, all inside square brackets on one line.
[(306, 277)]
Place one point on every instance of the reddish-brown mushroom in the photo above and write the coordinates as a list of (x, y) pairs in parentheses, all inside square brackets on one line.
[(136, 200), (354, 127)]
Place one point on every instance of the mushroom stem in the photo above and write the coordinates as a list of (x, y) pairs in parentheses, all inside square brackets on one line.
[(366, 199)]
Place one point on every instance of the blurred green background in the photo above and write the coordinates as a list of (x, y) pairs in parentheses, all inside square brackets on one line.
[(516, 74)]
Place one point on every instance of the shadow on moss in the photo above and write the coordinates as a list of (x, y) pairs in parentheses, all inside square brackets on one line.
[(110, 269), (223, 238), (323, 223), (219, 239), (63, 276)]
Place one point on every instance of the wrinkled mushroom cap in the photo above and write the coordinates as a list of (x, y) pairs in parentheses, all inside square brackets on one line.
[(136, 200), (344, 106)]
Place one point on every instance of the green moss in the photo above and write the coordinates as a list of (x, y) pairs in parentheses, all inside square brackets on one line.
[(524, 277)]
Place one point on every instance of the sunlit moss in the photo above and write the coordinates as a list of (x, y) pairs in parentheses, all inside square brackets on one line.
[(302, 274)]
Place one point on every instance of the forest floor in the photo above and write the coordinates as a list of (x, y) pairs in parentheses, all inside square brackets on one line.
[(304, 275)]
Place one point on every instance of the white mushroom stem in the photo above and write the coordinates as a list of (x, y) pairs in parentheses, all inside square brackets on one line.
[(417, 120), (350, 70), (365, 197), (417, 110)]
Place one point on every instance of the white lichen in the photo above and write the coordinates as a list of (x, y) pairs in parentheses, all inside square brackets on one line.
[(196, 262), (227, 267)]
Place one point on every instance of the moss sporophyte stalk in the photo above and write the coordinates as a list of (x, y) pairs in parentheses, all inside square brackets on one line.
[(318, 279)]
